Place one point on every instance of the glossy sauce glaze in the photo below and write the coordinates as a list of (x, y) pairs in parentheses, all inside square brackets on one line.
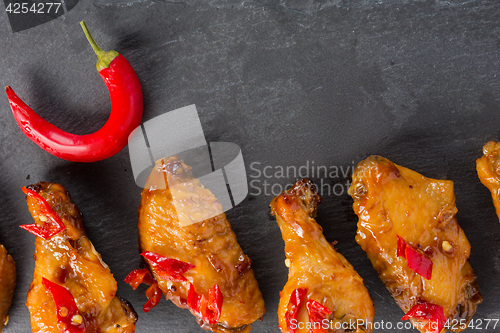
[(192, 228), (7, 284), (70, 260), (393, 201), (314, 264), (488, 170)]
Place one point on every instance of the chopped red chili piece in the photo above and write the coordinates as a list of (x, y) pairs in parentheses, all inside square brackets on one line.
[(154, 296), (317, 313), (138, 276), (49, 228), (432, 313), (68, 317), (167, 268), (296, 300), (416, 260), (213, 310), (208, 309), (194, 299), (401, 247)]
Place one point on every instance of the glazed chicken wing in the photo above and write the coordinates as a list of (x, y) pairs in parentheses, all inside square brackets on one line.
[(408, 229), (73, 290), (192, 252), (322, 286), (7, 285), (488, 170)]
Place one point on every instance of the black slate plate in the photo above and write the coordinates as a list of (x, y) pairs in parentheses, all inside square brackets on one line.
[(293, 83)]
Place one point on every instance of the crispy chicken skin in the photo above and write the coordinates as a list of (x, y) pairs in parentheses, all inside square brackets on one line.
[(188, 229), (70, 260), (393, 201), (7, 284), (488, 170), (314, 264)]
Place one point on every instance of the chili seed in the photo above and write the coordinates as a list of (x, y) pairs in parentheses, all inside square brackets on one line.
[(63, 311), (447, 247), (77, 320)]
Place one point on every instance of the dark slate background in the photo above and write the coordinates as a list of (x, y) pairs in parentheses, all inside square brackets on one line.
[(291, 82)]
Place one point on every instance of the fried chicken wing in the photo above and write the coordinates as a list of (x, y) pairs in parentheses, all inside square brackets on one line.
[(192, 252), (318, 273), (488, 170), (73, 290), (7, 285), (408, 229)]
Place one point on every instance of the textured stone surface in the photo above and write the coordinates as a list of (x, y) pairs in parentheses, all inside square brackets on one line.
[(288, 81)]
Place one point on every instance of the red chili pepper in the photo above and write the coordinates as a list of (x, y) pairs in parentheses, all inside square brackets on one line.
[(432, 313), (208, 309), (138, 276), (68, 317), (166, 268), (416, 261), (296, 300), (126, 114), (49, 228), (317, 313)]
